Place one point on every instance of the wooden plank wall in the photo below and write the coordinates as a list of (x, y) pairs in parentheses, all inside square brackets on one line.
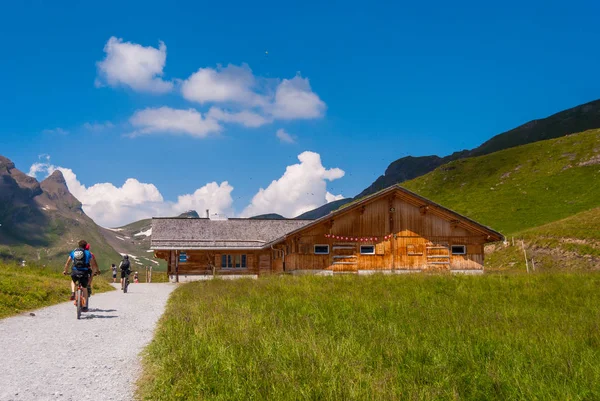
[(198, 262), (415, 231)]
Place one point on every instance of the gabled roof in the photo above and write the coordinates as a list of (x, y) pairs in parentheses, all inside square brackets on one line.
[(418, 200), (202, 233), (254, 234)]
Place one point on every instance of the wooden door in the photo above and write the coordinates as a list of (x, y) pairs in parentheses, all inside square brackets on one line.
[(438, 255), (344, 258), (264, 264)]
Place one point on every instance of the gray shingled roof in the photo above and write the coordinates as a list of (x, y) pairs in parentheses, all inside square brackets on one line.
[(186, 233)]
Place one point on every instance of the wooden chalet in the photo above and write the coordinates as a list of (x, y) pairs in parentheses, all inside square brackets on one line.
[(392, 231)]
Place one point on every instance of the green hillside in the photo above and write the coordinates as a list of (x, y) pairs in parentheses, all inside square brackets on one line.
[(32, 287), (522, 187), (577, 119), (571, 243), (134, 239)]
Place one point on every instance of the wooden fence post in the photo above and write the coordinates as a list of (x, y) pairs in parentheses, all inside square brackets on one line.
[(525, 253)]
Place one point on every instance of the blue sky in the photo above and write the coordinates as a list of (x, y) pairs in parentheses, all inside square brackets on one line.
[(383, 80)]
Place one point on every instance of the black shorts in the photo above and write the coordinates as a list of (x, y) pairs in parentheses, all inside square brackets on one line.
[(83, 276), (125, 274), (114, 275)]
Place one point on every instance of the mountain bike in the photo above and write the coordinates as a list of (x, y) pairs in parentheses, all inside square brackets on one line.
[(79, 297), (125, 283)]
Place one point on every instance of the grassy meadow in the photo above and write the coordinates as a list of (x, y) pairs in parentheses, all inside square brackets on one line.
[(416, 337), (32, 287)]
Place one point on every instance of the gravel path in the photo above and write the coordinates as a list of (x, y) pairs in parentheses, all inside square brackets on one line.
[(43, 357)]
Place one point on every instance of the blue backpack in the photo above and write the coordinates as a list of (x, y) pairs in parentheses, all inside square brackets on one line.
[(80, 259)]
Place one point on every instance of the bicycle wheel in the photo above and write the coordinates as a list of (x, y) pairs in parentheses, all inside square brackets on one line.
[(78, 300)]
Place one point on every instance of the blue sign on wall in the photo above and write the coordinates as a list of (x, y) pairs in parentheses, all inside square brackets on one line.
[(182, 257)]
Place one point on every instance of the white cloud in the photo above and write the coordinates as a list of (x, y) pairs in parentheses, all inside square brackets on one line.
[(110, 206), (173, 121), (55, 131), (284, 136), (245, 117), (36, 168), (98, 127), (130, 64), (213, 196), (329, 197), (302, 188), (231, 84), (237, 86), (294, 99)]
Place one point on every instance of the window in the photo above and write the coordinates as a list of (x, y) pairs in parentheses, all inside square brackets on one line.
[(367, 249), (321, 249), (233, 261), (182, 257), (459, 250)]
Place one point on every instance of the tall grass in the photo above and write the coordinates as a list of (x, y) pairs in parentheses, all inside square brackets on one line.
[(492, 337), (26, 288)]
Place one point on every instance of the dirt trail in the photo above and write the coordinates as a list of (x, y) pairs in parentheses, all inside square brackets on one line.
[(53, 356)]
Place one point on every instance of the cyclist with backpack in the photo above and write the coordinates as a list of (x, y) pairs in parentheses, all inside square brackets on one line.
[(84, 264), (125, 267)]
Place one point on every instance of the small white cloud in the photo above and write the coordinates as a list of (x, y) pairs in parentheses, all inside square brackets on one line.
[(55, 131), (36, 168), (302, 188), (329, 197), (98, 127), (165, 120), (137, 67), (284, 136), (294, 99), (231, 84), (245, 117)]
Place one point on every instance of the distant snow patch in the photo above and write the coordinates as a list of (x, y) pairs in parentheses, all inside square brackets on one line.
[(114, 229), (131, 256), (146, 233), (121, 238), (150, 250)]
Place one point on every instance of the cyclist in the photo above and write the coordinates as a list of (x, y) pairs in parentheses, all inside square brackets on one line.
[(95, 270), (136, 278), (81, 270), (125, 267), (114, 272)]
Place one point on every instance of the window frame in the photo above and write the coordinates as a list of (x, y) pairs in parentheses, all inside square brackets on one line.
[(367, 253), (464, 249), (230, 260), (321, 253)]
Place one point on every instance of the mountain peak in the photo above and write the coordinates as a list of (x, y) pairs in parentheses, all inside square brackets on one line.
[(6, 163), (57, 177), (190, 214), (24, 182), (55, 187)]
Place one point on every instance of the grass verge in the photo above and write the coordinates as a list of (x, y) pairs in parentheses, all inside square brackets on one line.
[(491, 337), (27, 288)]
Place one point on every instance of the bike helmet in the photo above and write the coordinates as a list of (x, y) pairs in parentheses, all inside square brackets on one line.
[(125, 257)]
